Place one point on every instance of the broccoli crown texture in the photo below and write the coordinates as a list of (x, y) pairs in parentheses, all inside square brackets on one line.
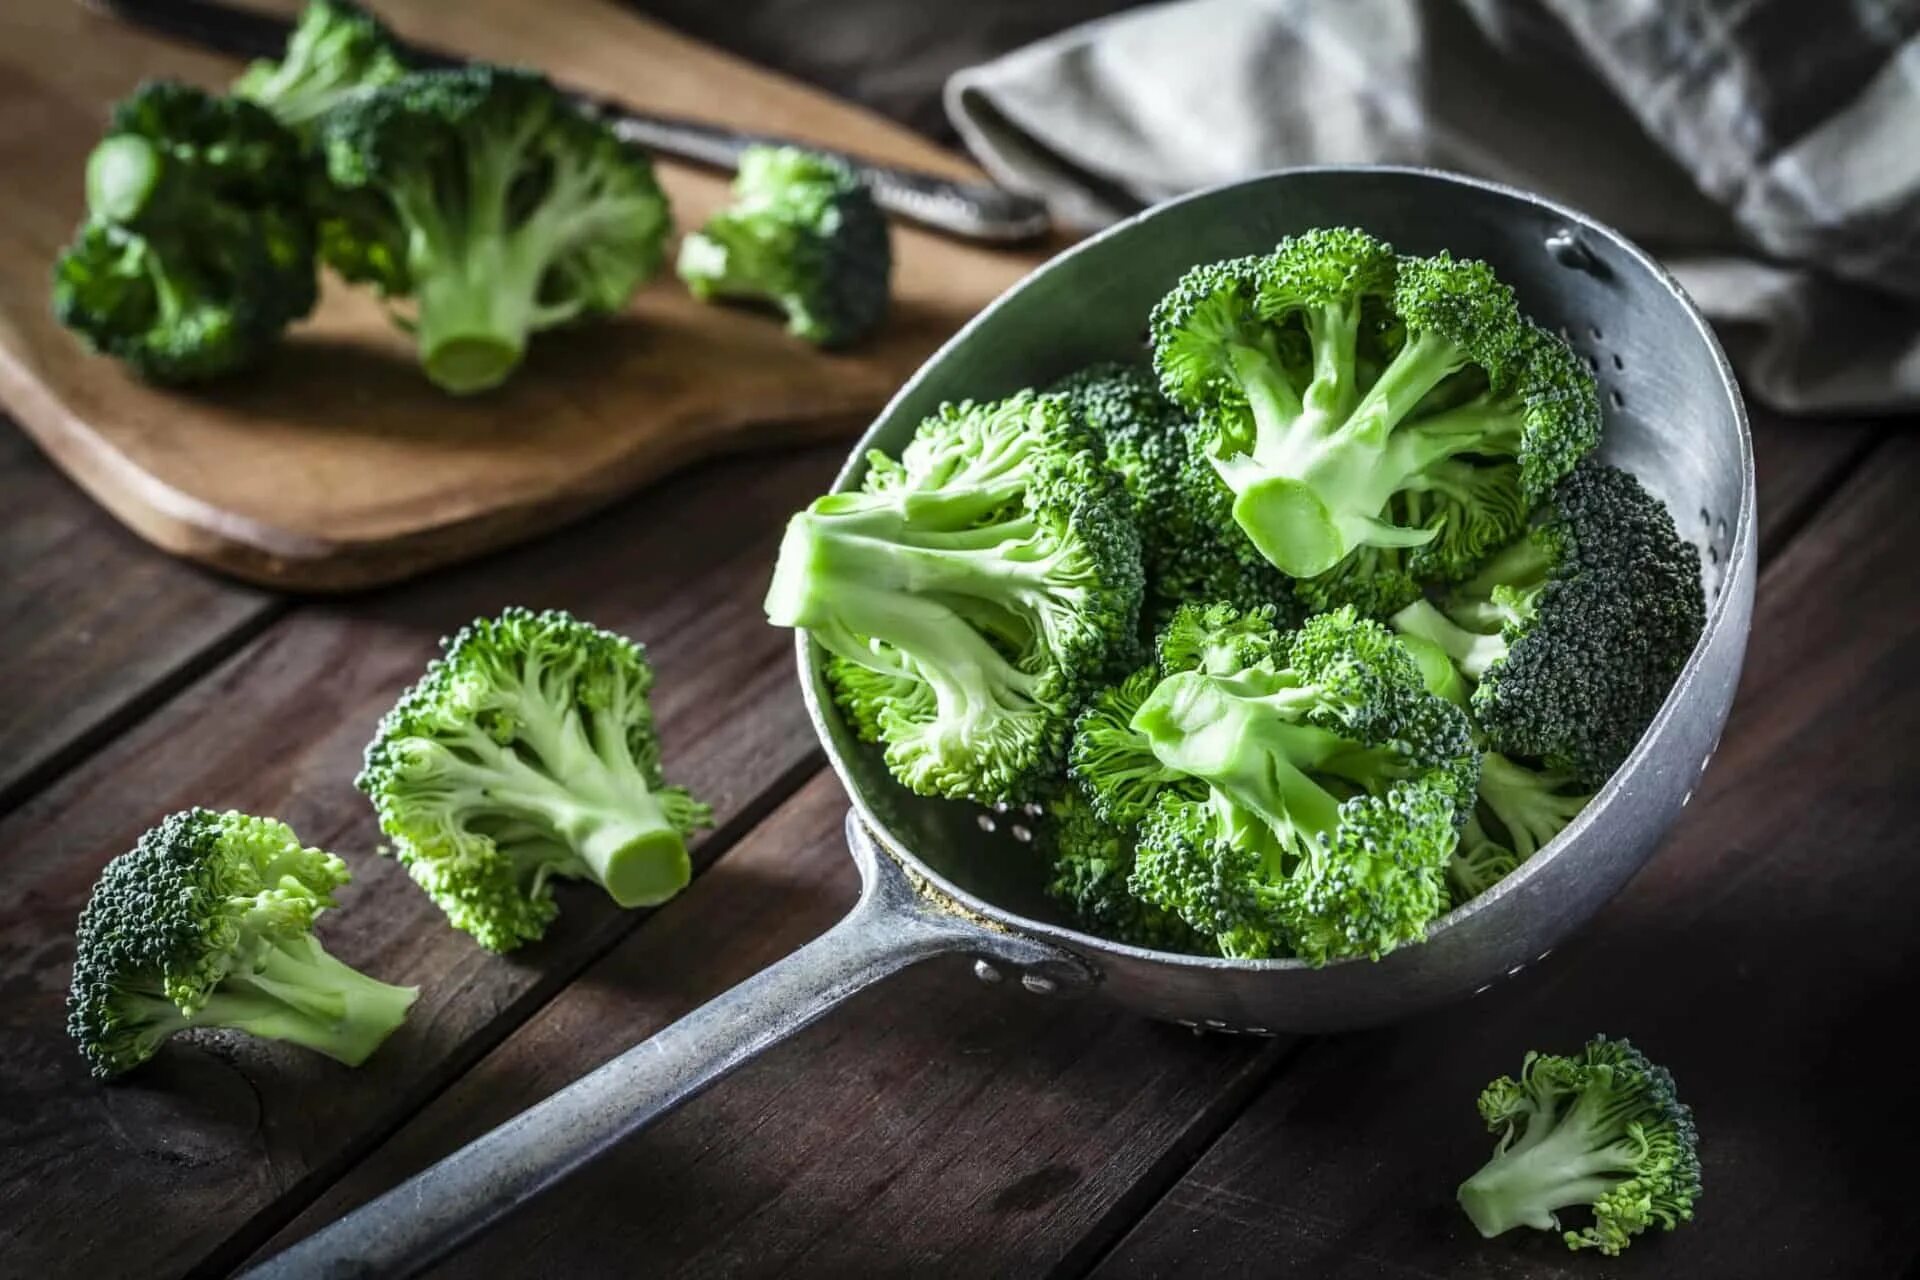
[(1189, 544), (1091, 863), (803, 234), (497, 206), (336, 49), (1574, 634), (1113, 762), (207, 922), (1378, 421), (1335, 784), (1601, 1130), (198, 249), (528, 751), (988, 579)]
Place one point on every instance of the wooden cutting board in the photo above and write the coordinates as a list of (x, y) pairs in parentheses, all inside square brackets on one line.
[(336, 465)]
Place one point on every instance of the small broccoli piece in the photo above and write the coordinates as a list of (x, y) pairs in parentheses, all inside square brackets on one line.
[(1574, 634), (336, 49), (1602, 1130), (493, 203), (528, 751), (1092, 861), (1335, 787), (1189, 544), (208, 922), (1113, 762), (1479, 862), (198, 249), (1351, 400), (804, 234), (989, 577), (1219, 639)]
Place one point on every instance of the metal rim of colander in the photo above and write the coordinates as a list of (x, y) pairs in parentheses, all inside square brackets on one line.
[(1596, 809)]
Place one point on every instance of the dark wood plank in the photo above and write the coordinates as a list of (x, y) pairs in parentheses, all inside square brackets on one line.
[(1797, 464), (215, 1144), (932, 1126), (1763, 956), (95, 624)]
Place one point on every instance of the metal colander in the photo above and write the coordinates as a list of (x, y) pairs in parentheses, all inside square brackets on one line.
[(944, 877)]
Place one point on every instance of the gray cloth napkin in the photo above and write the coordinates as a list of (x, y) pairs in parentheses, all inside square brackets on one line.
[(1768, 150)]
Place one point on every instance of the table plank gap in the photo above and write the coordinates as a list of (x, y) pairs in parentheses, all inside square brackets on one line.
[(213, 1134), (1344, 1165)]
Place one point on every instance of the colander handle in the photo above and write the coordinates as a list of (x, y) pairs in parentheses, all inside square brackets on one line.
[(403, 1231)]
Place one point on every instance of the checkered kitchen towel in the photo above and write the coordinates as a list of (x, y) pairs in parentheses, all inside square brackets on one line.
[(1769, 150)]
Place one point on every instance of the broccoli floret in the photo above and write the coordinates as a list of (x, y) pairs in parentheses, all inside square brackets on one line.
[(198, 249), (208, 922), (1335, 786), (1350, 400), (528, 751), (1479, 861), (1189, 544), (336, 49), (990, 575), (1219, 639), (803, 234), (1601, 1130), (1091, 862), (1574, 634), (1113, 762), (497, 206)]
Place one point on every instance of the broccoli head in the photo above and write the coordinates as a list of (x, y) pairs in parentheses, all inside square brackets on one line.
[(1189, 544), (1335, 781), (803, 234), (527, 752), (336, 49), (198, 249), (989, 579), (208, 922), (1573, 634), (1349, 400), (1600, 1130), (493, 203), (1091, 863)]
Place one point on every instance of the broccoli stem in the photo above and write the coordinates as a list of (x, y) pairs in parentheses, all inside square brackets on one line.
[(295, 990), (1552, 1166), (1526, 802), (1472, 652), (474, 317)]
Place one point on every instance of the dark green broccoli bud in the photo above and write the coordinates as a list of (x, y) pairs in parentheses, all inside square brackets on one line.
[(528, 752), (1600, 1130), (1092, 861), (990, 575), (1350, 400), (1113, 762), (803, 234), (208, 922), (198, 249), (494, 204), (336, 49), (1574, 634), (1336, 783)]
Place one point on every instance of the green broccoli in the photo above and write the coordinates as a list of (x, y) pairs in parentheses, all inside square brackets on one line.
[(208, 922), (989, 577), (1189, 545), (1113, 763), (528, 751), (1091, 862), (1601, 1130), (804, 234), (498, 207), (1573, 634), (1351, 400), (198, 249), (1335, 785), (337, 49)]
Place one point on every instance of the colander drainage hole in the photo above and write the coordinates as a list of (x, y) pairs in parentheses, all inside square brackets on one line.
[(986, 821)]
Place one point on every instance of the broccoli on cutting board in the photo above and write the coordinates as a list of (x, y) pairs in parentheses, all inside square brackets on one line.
[(337, 49), (208, 922), (198, 247)]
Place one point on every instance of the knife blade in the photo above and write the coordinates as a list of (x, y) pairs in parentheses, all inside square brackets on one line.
[(969, 210)]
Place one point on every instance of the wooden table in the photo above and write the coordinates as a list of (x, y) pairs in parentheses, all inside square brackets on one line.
[(933, 1126)]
